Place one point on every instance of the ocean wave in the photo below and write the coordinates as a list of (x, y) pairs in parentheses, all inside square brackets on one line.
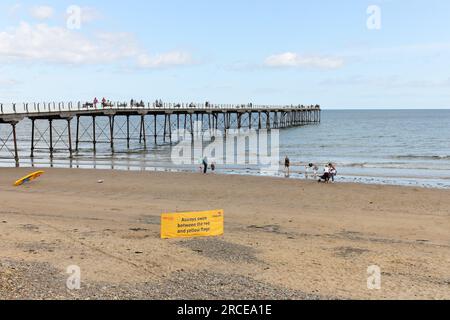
[(422, 157)]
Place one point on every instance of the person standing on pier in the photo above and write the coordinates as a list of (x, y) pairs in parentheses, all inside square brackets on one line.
[(95, 102)]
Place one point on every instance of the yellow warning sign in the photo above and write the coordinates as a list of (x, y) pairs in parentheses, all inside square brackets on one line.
[(192, 224)]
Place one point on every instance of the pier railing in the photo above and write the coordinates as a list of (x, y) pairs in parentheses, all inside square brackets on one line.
[(46, 107)]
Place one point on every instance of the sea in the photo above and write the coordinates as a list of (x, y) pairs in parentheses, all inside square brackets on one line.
[(394, 147)]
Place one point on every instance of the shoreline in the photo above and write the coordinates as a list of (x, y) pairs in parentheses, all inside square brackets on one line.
[(412, 182), (282, 240)]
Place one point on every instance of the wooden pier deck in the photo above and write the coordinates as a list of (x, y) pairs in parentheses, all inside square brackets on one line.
[(171, 116)]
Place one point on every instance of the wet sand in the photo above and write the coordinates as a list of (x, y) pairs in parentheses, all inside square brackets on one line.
[(284, 239)]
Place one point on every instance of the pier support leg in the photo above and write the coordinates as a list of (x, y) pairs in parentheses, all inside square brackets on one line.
[(140, 132), (155, 133), (259, 121), (128, 132), (16, 151), (32, 138), (94, 138), (165, 128), (111, 131), (275, 119), (144, 135), (170, 128), (225, 122), (69, 132), (51, 138), (77, 138)]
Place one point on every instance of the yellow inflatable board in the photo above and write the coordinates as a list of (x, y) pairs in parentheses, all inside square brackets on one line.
[(29, 178), (192, 224)]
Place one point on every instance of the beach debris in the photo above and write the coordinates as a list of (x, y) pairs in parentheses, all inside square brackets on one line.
[(100, 181), (138, 229), (349, 252), (267, 228)]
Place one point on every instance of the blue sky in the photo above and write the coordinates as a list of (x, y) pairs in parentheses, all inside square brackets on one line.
[(265, 52)]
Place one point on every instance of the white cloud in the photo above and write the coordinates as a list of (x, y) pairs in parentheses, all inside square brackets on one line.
[(42, 12), (294, 60), (175, 58), (44, 43), (55, 44)]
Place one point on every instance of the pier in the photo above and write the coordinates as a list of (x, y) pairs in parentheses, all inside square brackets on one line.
[(63, 127)]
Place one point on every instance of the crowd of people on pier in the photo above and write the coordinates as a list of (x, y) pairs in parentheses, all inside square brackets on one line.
[(109, 104)]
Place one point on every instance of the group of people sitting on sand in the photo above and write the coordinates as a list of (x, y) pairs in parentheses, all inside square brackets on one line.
[(328, 175)]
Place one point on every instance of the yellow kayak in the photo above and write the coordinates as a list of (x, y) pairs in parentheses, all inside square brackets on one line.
[(29, 178)]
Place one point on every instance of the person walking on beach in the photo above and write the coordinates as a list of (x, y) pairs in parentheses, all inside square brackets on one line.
[(205, 165), (287, 165)]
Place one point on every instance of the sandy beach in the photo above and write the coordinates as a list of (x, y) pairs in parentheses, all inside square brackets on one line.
[(284, 239)]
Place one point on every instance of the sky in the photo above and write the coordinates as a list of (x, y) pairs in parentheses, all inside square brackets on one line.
[(339, 54)]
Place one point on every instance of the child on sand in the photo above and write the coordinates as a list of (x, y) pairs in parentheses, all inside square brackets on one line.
[(333, 171)]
